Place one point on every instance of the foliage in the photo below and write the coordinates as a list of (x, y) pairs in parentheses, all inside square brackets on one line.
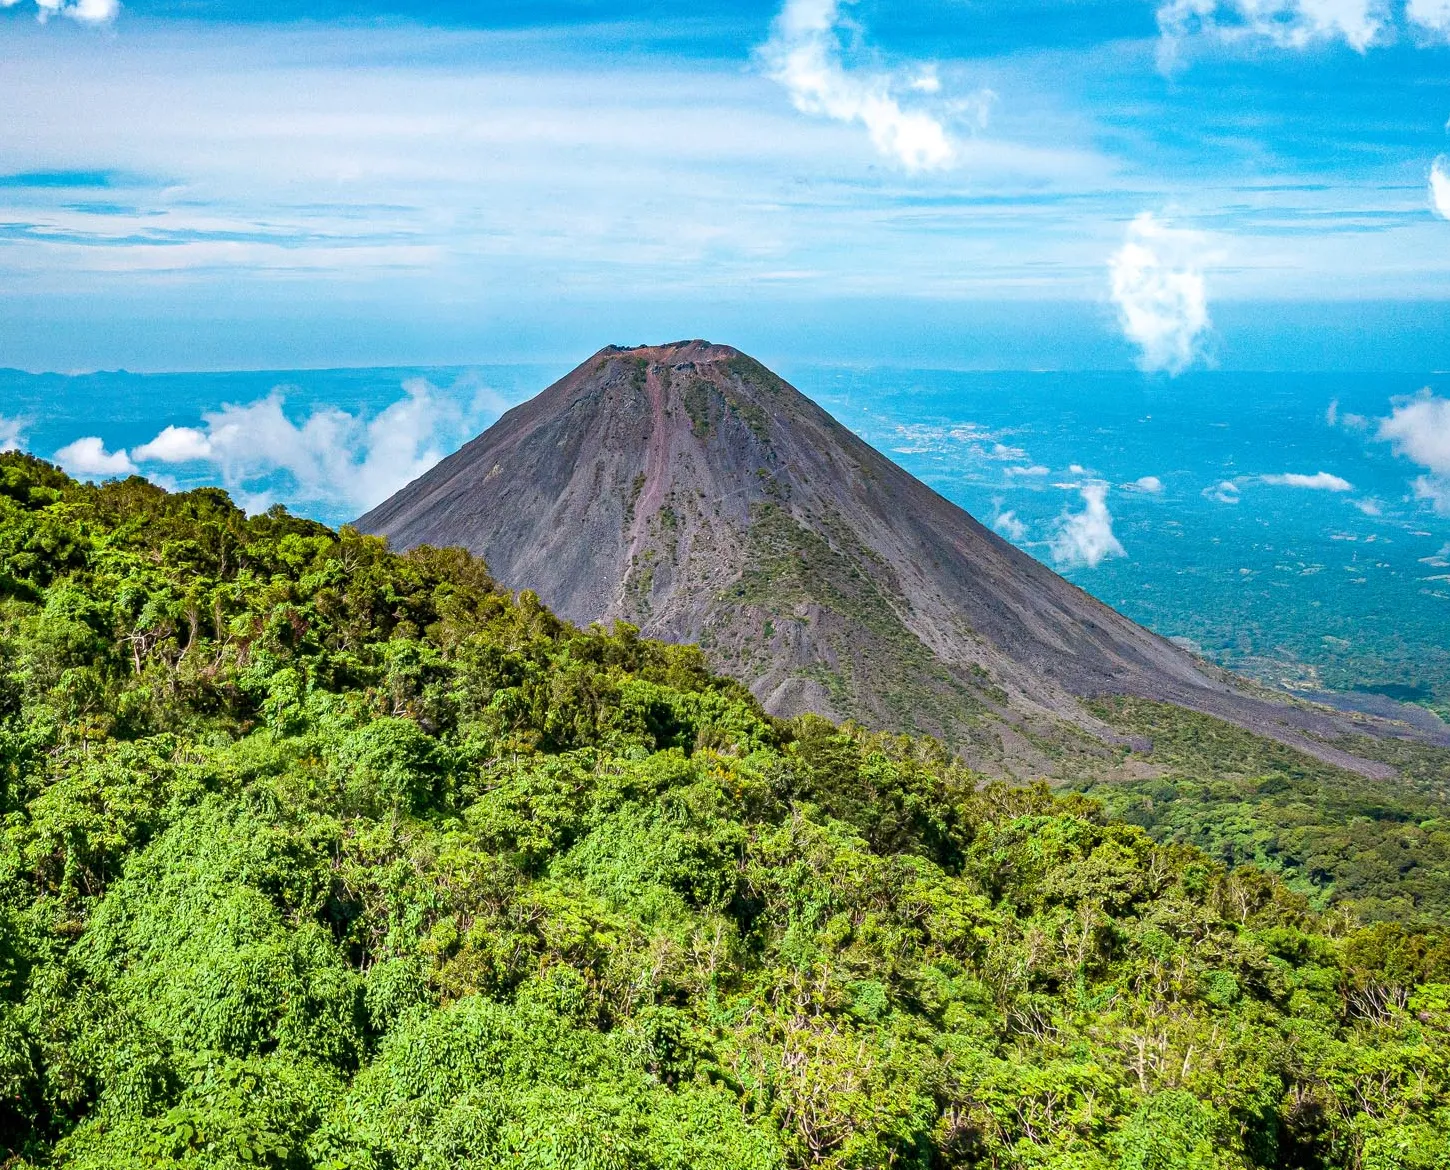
[(1380, 848), (314, 855)]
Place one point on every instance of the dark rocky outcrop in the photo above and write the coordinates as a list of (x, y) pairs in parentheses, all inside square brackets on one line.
[(688, 490)]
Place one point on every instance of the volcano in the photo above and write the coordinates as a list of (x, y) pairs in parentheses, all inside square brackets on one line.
[(691, 492)]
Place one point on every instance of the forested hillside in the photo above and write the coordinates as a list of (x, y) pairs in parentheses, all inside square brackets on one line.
[(314, 855)]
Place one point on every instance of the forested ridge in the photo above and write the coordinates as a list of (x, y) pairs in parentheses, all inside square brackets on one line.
[(315, 855)]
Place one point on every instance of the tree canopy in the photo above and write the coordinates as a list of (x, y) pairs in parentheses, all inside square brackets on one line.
[(316, 855)]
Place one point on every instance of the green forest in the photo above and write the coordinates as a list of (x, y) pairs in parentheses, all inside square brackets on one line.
[(317, 855)]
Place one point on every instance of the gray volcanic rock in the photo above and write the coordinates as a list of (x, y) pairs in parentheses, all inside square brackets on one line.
[(688, 490)]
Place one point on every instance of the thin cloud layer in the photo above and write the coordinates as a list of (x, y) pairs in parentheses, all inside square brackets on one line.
[(87, 458), (1419, 429), (1320, 481), (1286, 24), (95, 12), (804, 55), (1085, 539), (1160, 294)]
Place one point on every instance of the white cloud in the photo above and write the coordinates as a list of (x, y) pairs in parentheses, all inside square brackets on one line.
[(88, 458), (1034, 470), (1085, 539), (12, 433), (1430, 15), (85, 11), (1002, 451), (1331, 414), (1368, 507), (1146, 483), (1160, 294), (1226, 492), (1008, 524), (1419, 428), (804, 55), (331, 457), (1440, 186), (1321, 481), (175, 445), (1286, 24)]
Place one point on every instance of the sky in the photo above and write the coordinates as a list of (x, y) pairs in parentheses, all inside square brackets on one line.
[(1014, 184)]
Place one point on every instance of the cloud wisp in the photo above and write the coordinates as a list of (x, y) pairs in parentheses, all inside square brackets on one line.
[(1010, 525), (1440, 186), (1430, 17), (1085, 539), (804, 55), (1160, 294), (1419, 429), (1320, 481), (87, 458), (331, 457), (94, 12), (1285, 24)]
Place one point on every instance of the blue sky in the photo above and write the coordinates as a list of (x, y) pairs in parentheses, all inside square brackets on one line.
[(217, 184)]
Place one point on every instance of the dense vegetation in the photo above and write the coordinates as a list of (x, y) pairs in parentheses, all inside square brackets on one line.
[(1379, 848), (313, 855)]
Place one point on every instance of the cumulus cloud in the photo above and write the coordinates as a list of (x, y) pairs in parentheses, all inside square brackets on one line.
[(1147, 483), (1160, 294), (85, 11), (1419, 429), (88, 458), (12, 433), (1286, 24), (1440, 186), (1085, 539), (331, 457), (1008, 524), (1226, 492), (1320, 481), (804, 55), (175, 445), (1432, 16)]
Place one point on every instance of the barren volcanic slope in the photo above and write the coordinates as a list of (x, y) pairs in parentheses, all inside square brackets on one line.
[(688, 490)]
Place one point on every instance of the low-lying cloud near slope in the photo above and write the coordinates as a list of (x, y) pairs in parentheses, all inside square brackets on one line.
[(88, 458), (1160, 294), (342, 462), (331, 457), (12, 433), (1419, 429), (804, 55), (1085, 539)]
